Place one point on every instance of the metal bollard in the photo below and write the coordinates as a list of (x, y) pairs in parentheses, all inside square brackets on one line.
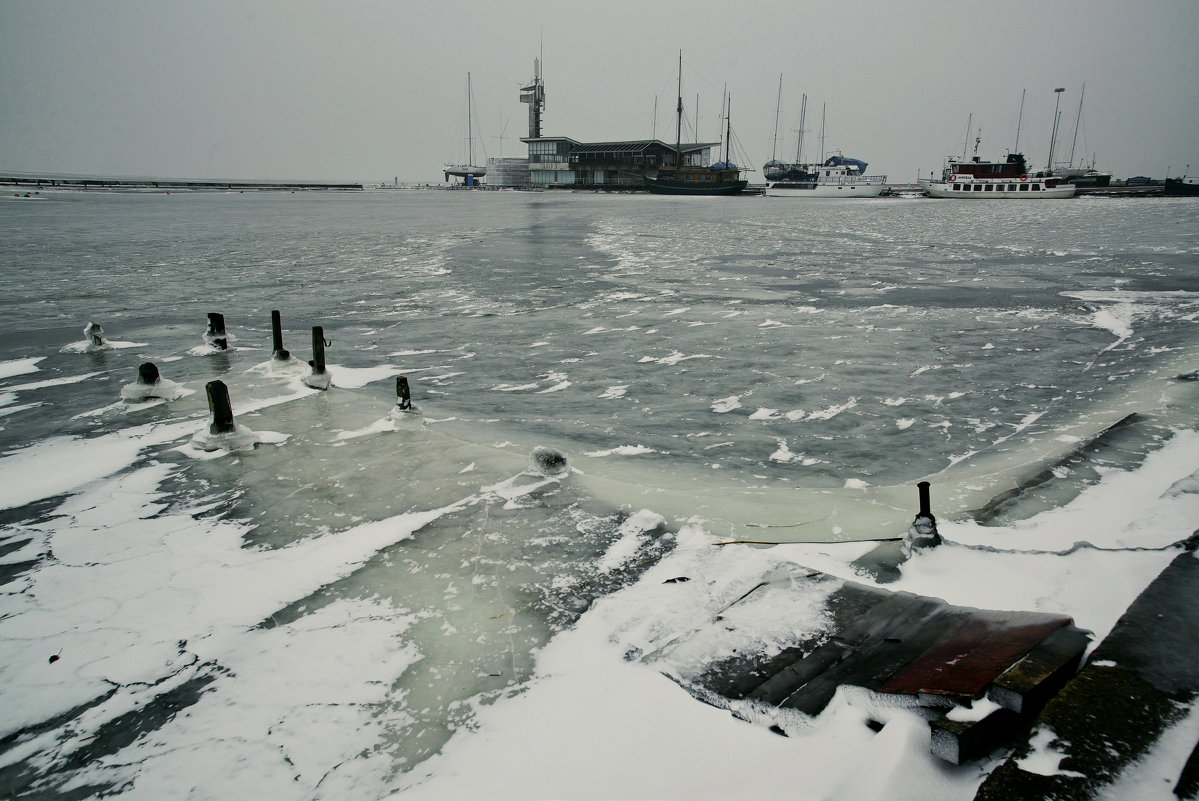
[(221, 408), (923, 532), (277, 337), (216, 331)]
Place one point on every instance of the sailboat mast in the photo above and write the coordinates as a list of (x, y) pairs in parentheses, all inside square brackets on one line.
[(823, 110), (678, 127), (470, 139), (1077, 120), (1019, 121), (803, 113), (777, 106), (728, 130), (1056, 116)]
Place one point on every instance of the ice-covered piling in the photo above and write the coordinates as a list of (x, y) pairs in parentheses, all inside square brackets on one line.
[(94, 334), (221, 408), (403, 394), (923, 533), (215, 333), (404, 413), (149, 385), (277, 337), (223, 433), (319, 379)]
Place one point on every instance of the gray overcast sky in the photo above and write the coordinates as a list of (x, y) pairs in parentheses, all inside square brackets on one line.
[(301, 89)]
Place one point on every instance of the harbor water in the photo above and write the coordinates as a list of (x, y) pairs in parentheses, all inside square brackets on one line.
[(324, 606)]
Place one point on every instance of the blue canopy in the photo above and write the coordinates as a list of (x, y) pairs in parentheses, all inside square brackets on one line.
[(841, 161)]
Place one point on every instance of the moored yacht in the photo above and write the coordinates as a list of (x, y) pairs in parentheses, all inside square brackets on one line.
[(982, 180), (836, 177)]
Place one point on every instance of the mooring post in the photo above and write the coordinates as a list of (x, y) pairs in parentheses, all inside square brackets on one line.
[(148, 374), (277, 337), (925, 506), (318, 349), (221, 408), (405, 397), (216, 330), (923, 532)]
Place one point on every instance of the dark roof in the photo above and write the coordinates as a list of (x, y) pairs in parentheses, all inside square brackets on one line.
[(635, 146)]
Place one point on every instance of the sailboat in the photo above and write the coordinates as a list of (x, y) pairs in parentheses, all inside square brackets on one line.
[(1082, 175), (469, 172), (722, 178)]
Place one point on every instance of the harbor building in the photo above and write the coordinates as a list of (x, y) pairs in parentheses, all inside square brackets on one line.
[(559, 162)]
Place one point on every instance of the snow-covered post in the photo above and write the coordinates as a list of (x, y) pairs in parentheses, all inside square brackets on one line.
[(923, 533), (215, 335), (277, 337), (221, 408)]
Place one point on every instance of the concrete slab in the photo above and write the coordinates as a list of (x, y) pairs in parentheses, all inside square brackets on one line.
[(1137, 683)]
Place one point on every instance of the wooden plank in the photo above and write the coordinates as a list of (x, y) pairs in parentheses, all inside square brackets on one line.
[(967, 657), (1031, 682)]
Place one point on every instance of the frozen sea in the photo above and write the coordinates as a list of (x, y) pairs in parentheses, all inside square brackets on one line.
[(349, 602)]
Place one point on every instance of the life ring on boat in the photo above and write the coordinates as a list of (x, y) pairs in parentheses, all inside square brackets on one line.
[(1024, 177), (952, 178)]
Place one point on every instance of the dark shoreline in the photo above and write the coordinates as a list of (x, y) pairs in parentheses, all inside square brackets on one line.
[(37, 184)]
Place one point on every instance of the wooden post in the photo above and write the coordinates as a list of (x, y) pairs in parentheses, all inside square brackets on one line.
[(216, 331), (405, 397), (221, 408), (148, 374), (277, 337), (318, 349)]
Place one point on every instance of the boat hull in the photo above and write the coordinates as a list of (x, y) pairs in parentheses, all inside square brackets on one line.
[(1177, 187), (673, 186), (809, 189), (972, 190)]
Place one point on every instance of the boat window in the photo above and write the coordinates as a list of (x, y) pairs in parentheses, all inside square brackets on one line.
[(1023, 187), (957, 187), (990, 188), (978, 187), (1011, 187), (1036, 187)]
